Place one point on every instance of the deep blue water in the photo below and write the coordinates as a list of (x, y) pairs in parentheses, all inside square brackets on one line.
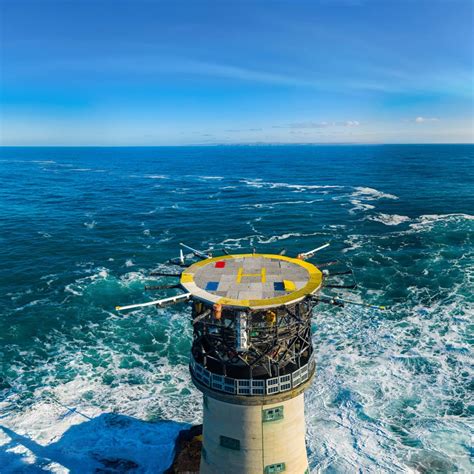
[(82, 227)]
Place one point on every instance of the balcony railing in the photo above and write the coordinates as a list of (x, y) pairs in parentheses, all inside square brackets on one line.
[(252, 386)]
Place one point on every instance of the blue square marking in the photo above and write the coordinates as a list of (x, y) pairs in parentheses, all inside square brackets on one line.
[(278, 286), (212, 285)]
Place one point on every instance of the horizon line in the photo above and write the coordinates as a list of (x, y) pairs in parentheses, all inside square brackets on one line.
[(209, 145)]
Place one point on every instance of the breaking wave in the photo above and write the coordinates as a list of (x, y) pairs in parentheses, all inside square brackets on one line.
[(389, 219)]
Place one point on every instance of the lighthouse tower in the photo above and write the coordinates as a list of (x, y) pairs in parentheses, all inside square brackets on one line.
[(252, 358)]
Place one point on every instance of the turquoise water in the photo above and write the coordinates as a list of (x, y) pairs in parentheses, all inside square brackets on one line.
[(82, 227)]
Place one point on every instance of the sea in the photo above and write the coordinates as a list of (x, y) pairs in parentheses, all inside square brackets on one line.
[(86, 389)]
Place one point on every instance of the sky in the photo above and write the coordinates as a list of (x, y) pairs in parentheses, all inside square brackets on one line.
[(143, 72)]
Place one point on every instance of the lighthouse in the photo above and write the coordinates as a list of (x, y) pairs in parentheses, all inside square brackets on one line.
[(252, 358), (252, 354)]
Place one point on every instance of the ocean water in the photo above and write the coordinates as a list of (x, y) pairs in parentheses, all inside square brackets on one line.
[(83, 388)]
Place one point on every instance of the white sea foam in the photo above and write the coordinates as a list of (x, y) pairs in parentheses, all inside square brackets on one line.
[(235, 242), (389, 219), (258, 183), (69, 427), (362, 195), (271, 205), (257, 238), (360, 206), (63, 431), (382, 386), (427, 221), (156, 176), (289, 235), (90, 225), (353, 242), (371, 194), (42, 162), (45, 234), (77, 287)]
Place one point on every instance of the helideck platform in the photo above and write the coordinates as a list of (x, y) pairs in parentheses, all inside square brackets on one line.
[(251, 280)]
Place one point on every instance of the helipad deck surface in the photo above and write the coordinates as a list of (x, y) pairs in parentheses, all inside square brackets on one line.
[(251, 280)]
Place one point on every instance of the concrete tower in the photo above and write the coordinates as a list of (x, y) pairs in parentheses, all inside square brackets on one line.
[(252, 358)]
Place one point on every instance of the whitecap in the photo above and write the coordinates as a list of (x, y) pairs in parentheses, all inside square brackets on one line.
[(211, 177), (389, 219), (44, 234), (427, 221), (360, 206), (271, 205), (258, 183), (90, 225), (289, 235), (370, 194)]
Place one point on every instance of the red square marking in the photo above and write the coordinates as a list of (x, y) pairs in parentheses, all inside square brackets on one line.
[(220, 264)]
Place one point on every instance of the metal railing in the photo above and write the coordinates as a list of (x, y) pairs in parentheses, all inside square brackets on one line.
[(233, 386)]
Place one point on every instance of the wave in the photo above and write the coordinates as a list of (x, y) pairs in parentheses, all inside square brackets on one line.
[(258, 183), (360, 206), (261, 239), (90, 225), (61, 429), (361, 195), (289, 235), (46, 235), (390, 383), (271, 205), (211, 178), (389, 219), (41, 162), (77, 287), (427, 221), (371, 194)]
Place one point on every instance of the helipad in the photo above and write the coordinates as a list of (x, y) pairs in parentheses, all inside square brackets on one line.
[(251, 280)]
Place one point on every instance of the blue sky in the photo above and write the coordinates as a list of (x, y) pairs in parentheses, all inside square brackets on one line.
[(205, 72)]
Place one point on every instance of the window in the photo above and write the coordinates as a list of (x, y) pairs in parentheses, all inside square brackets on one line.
[(230, 443), (272, 468), (273, 414)]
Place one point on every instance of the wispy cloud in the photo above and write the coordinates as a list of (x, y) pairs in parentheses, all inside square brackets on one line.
[(426, 119), (324, 124)]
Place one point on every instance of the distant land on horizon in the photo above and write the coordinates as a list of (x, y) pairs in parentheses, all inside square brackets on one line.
[(216, 145)]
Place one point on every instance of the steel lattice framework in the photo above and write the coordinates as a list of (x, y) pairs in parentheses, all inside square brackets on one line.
[(278, 341)]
